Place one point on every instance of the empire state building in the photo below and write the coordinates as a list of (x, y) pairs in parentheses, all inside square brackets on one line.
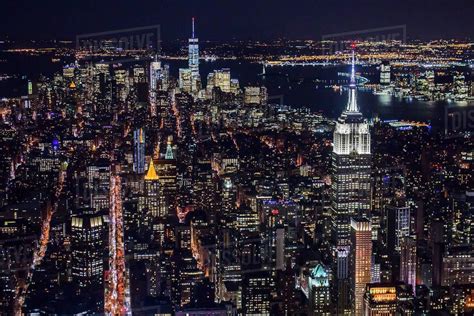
[(351, 167)]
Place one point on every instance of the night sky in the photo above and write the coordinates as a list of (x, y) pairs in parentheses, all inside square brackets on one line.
[(227, 19)]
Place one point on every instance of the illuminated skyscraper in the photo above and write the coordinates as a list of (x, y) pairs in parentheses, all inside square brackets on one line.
[(457, 265), (166, 168), (220, 78), (380, 299), (98, 176), (139, 151), (257, 291), (155, 76), (408, 261), (320, 302), (343, 281), (169, 155), (155, 73), (152, 204), (361, 261), (229, 196), (255, 95), (385, 74), (185, 79), (193, 60), (398, 224), (88, 246), (351, 169), (159, 75), (153, 199), (351, 163)]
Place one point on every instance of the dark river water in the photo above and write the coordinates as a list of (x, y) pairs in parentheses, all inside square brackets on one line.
[(300, 86)]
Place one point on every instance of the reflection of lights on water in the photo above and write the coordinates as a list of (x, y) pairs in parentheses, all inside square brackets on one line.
[(385, 99)]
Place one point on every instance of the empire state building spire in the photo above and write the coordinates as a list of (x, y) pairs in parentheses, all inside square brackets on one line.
[(352, 101)]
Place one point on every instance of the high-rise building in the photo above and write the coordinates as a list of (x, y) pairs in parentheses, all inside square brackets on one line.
[(342, 288), (166, 168), (220, 78), (169, 154), (88, 246), (228, 198), (139, 74), (457, 265), (155, 77), (408, 261), (385, 74), (152, 206), (153, 199), (255, 95), (193, 50), (185, 79), (122, 83), (287, 291), (398, 224), (276, 226), (320, 301), (380, 300), (351, 163), (193, 61), (155, 74), (257, 292), (388, 185), (462, 206), (98, 181), (163, 106), (139, 151), (361, 260)]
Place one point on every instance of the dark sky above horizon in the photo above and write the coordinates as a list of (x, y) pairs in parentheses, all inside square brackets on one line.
[(241, 19)]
